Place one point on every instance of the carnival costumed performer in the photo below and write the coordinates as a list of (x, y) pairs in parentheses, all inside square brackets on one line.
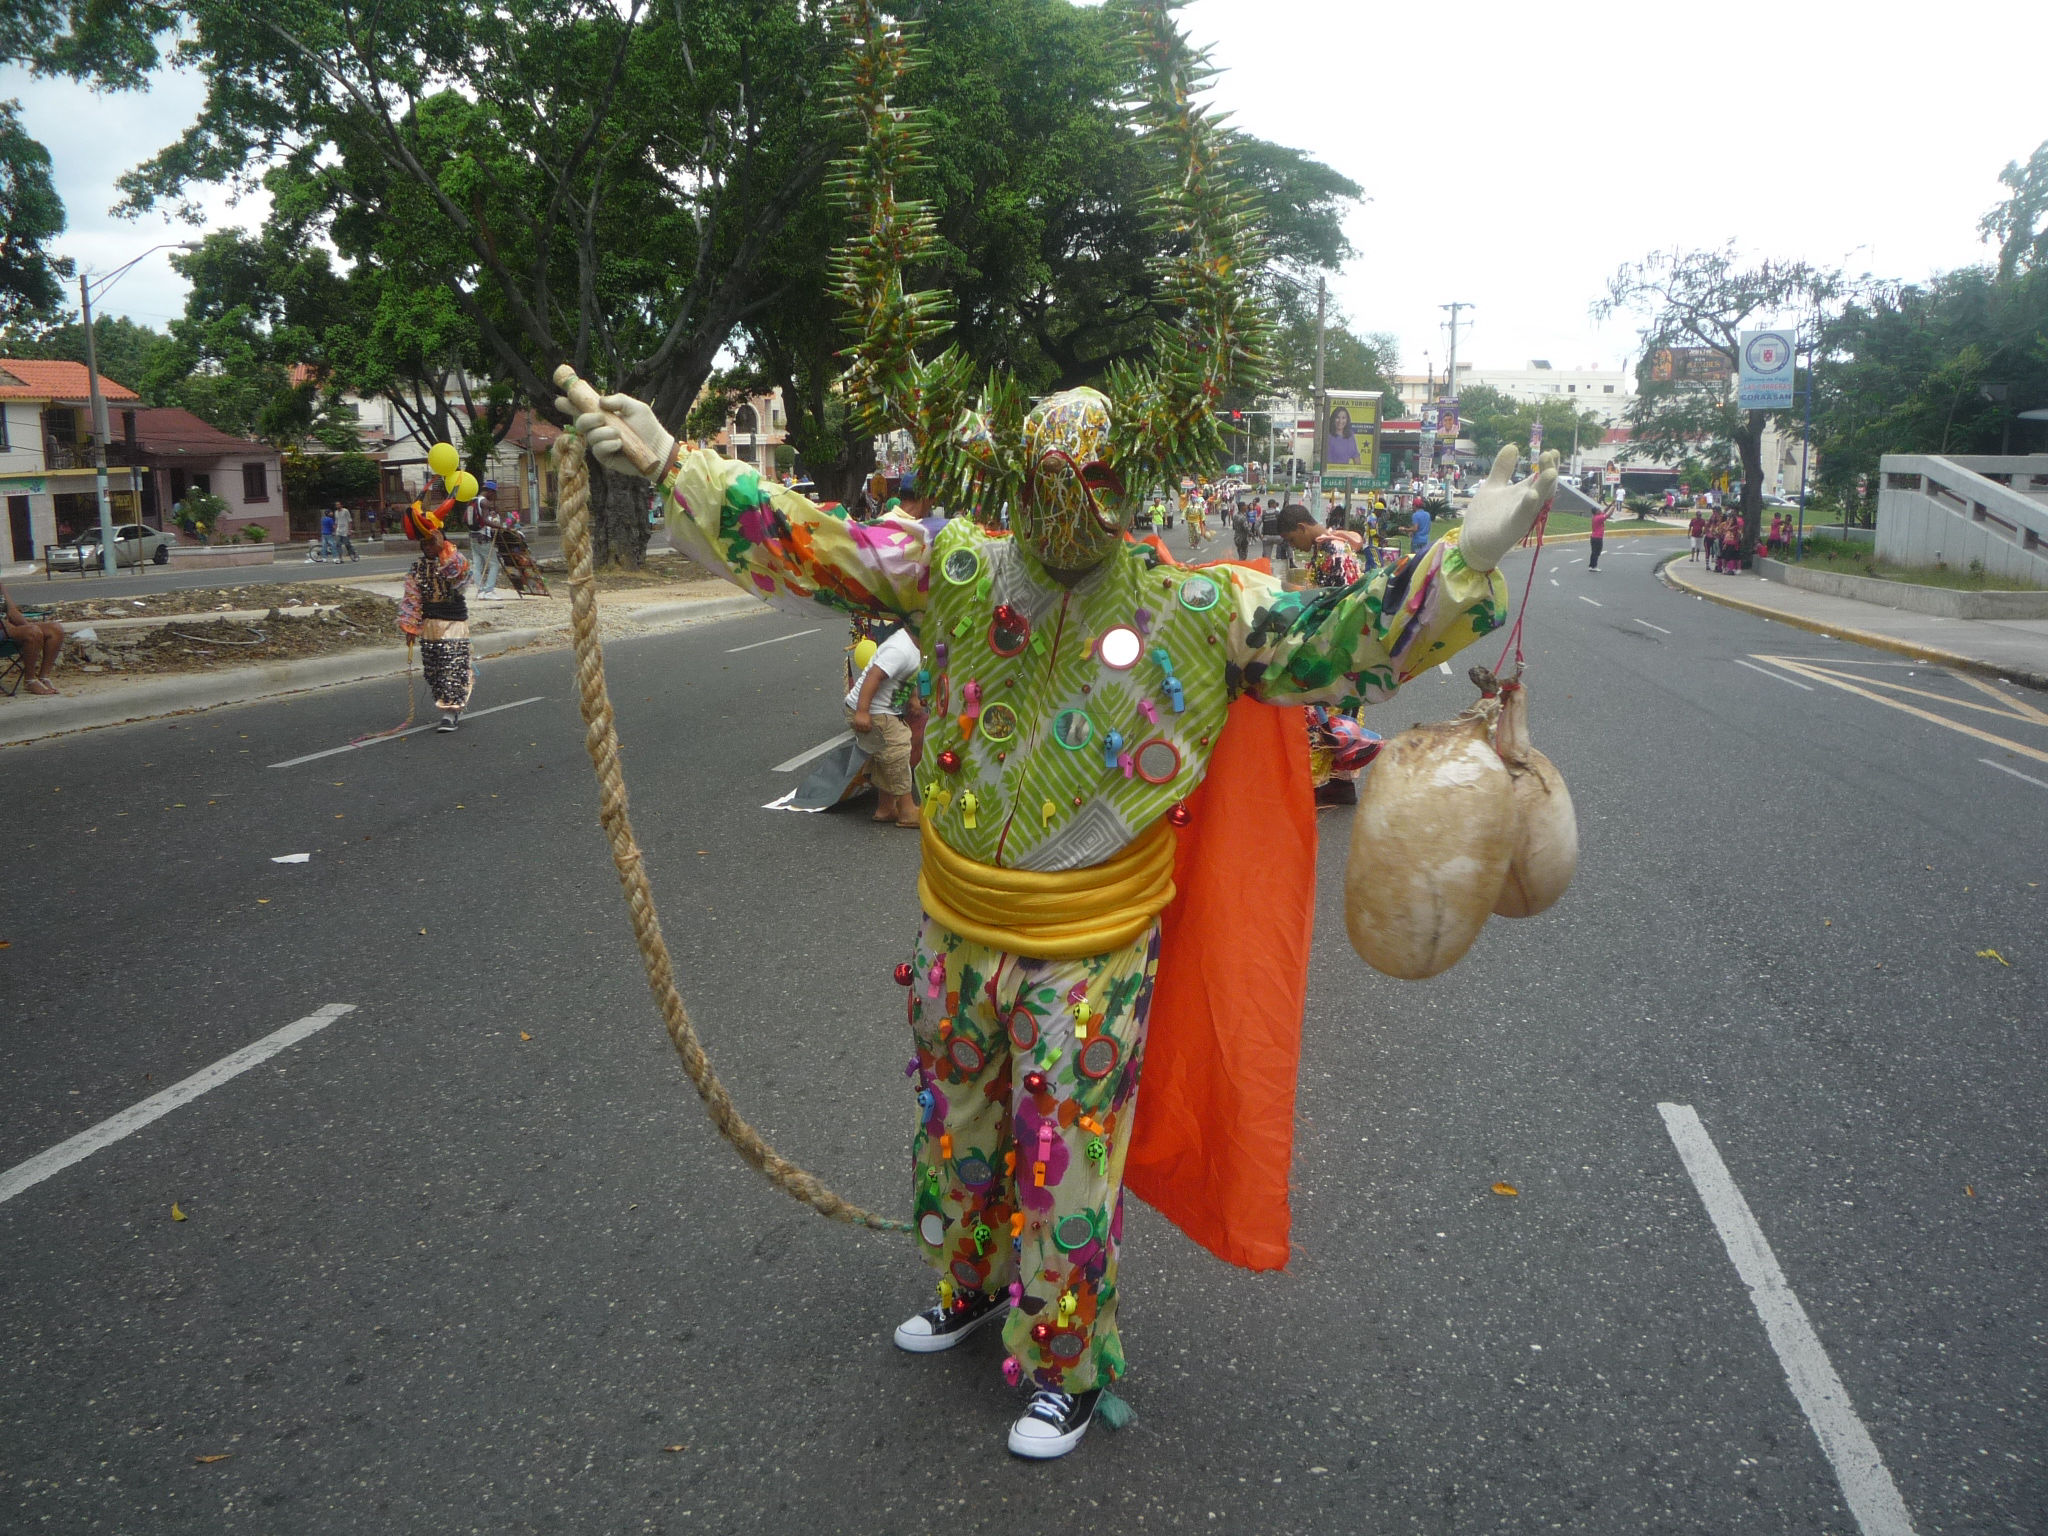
[(1080, 685), (434, 613)]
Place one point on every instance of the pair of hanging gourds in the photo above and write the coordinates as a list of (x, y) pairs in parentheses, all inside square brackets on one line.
[(1459, 821)]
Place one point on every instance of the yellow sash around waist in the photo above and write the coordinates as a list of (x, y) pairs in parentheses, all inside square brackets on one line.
[(1063, 915)]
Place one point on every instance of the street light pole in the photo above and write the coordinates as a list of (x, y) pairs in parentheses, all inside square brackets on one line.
[(1316, 450), (108, 561)]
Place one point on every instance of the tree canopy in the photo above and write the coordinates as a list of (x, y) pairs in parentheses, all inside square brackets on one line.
[(1492, 418)]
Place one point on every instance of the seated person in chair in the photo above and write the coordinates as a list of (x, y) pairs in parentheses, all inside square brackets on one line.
[(40, 640)]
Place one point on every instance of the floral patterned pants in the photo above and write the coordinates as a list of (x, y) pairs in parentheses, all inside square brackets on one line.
[(1027, 1074)]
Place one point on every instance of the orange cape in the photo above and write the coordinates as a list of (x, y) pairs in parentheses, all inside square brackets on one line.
[(1212, 1148)]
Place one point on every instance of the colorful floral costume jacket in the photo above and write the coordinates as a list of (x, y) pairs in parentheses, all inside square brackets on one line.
[(1061, 750)]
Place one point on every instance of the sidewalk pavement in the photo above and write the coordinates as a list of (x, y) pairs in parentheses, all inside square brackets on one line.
[(26, 719), (2014, 649)]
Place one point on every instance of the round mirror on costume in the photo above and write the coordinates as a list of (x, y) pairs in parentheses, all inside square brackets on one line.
[(1120, 648), (998, 722), (1158, 760), (1009, 631), (1072, 729), (1199, 594), (962, 567)]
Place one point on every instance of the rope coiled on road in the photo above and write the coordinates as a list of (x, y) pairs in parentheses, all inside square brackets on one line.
[(601, 740)]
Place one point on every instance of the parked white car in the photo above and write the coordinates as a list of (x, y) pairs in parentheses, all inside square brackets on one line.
[(134, 544)]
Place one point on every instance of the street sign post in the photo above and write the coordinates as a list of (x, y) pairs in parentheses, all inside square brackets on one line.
[(1766, 379)]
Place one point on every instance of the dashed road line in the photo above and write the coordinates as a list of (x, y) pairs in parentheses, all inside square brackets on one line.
[(734, 650), (1585, 599), (1648, 625), (2037, 783), (818, 751), (1867, 1486), (357, 746), (132, 1119)]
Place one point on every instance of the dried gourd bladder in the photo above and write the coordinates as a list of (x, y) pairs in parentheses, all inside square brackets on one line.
[(1431, 843), (1546, 843)]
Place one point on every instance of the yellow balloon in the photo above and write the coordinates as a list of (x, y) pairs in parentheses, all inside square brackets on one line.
[(863, 653), (464, 486), (443, 460)]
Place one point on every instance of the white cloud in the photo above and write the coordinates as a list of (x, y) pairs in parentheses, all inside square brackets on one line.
[(1866, 135), (93, 138)]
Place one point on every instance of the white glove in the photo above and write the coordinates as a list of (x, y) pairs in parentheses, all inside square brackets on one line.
[(600, 432), (1501, 512)]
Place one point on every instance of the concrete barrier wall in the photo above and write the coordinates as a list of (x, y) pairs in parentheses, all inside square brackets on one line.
[(1938, 511), (1943, 602)]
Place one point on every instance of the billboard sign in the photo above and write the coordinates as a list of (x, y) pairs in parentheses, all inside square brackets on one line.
[(1766, 382), (1689, 365), (1351, 431)]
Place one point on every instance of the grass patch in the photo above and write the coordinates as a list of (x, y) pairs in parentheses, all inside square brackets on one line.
[(1850, 558)]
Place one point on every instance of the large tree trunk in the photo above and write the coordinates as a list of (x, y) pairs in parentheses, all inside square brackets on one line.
[(842, 479), (618, 516), (1749, 443)]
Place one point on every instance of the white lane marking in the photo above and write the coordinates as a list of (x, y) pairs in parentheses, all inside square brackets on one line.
[(1577, 558), (1867, 1486), (1444, 667), (357, 746), (734, 650), (292, 858), (40, 1167), (1648, 625), (1553, 580), (818, 751), (1775, 676), (2037, 783), (1585, 599)]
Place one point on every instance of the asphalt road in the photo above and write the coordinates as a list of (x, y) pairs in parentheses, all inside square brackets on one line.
[(471, 1257)]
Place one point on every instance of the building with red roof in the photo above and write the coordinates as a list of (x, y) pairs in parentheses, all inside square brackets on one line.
[(154, 457)]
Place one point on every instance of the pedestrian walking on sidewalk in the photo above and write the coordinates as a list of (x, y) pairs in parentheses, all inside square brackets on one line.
[(1697, 528), (1599, 537), (434, 614), (483, 541), (327, 536), (344, 528)]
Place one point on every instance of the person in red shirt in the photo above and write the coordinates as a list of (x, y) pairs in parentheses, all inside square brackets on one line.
[(1698, 529), (1599, 537)]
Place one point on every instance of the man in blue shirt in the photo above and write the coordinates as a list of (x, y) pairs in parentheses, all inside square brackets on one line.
[(1420, 541)]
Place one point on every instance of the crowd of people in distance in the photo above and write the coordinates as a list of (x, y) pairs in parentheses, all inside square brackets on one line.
[(1718, 539)]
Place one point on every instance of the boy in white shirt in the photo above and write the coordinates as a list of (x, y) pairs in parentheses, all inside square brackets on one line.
[(874, 708)]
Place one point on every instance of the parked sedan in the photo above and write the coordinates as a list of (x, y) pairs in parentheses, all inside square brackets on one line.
[(134, 544)]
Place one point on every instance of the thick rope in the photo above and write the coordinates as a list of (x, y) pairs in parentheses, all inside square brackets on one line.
[(601, 739)]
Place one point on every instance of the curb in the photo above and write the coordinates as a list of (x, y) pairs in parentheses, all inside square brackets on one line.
[(1878, 642), (250, 685)]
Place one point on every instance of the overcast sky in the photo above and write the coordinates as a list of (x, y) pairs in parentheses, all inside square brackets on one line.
[(1870, 136)]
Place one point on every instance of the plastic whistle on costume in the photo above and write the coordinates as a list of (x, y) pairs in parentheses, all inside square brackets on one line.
[(1112, 748), (970, 806), (935, 978), (1038, 1168)]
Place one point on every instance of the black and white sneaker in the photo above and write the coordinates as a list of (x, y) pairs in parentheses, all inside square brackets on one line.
[(1053, 1423), (943, 1327), (447, 723)]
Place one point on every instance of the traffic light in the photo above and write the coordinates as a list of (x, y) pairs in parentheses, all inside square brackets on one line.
[(1237, 416)]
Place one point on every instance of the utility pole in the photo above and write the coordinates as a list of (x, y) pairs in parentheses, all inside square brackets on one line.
[(99, 430), (1316, 453), (1451, 373)]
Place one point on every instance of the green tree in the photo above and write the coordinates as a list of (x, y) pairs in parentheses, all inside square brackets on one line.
[(2020, 223), (1491, 418), (1040, 192), (593, 182), (31, 215), (125, 347), (1703, 299)]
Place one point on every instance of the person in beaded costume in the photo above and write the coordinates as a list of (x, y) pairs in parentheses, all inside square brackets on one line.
[(1078, 684)]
